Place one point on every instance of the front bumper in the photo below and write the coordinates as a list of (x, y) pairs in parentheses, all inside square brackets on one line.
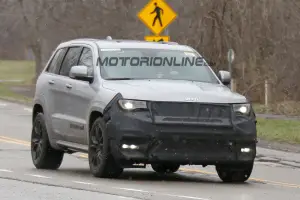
[(180, 143)]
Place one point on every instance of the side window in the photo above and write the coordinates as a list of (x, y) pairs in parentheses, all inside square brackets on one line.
[(71, 59), (55, 63), (86, 59)]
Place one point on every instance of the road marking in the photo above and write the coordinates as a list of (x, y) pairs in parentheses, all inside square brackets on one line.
[(28, 109), (171, 195), (82, 155), (197, 171), (38, 176), (253, 179), (187, 197), (276, 183), (85, 183), (6, 170), (130, 189), (14, 141), (3, 104)]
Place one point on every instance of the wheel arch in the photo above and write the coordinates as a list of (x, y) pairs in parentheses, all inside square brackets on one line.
[(104, 113), (37, 108), (95, 114)]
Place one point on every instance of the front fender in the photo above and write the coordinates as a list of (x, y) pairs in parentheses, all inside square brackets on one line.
[(103, 108)]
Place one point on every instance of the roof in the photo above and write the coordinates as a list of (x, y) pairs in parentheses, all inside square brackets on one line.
[(114, 43), (140, 44)]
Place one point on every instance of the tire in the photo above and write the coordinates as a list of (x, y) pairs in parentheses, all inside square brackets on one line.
[(235, 173), (42, 154), (165, 168), (101, 161)]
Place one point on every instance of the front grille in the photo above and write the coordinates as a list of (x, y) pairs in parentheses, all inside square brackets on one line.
[(193, 110)]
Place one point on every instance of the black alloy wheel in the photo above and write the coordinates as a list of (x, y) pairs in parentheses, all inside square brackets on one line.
[(101, 161), (37, 141), (165, 168), (96, 147), (42, 154), (235, 173)]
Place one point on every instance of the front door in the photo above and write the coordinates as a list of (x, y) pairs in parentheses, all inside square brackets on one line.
[(65, 102), (82, 94)]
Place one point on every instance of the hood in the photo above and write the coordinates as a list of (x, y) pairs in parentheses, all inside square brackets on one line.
[(174, 90)]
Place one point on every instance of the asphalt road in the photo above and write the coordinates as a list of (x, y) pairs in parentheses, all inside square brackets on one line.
[(276, 174)]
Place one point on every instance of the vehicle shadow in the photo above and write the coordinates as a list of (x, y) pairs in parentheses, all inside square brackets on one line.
[(148, 176)]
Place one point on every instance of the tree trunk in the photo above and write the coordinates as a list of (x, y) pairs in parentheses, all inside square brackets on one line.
[(37, 51)]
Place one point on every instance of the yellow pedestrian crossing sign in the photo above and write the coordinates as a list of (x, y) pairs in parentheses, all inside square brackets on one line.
[(157, 15), (156, 38)]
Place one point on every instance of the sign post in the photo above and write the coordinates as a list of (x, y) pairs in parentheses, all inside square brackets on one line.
[(230, 58), (157, 15), (154, 38)]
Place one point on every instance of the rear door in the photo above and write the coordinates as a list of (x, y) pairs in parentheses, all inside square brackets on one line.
[(52, 91)]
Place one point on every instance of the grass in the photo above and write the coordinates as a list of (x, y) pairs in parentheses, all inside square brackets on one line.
[(17, 70), (15, 74), (290, 108), (7, 94), (279, 130), (268, 129)]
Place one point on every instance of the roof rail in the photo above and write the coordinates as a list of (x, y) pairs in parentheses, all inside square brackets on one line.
[(171, 42), (122, 40), (164, 42), (83, 39)]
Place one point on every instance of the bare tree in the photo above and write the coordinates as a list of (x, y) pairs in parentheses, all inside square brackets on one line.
[(264, 34)]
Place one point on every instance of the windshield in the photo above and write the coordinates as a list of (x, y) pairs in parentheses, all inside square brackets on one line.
[(154, 64)]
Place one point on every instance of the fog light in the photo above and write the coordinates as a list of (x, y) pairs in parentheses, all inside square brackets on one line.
[(133, 146), (245, 150), (126, 146)]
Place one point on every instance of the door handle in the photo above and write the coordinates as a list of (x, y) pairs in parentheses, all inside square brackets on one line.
[(51, 82), (69, 86)]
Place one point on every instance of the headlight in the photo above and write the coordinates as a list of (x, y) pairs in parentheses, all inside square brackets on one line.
[(132, 104), (242, 109)]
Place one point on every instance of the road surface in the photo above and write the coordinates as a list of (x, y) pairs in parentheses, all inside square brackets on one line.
[(276, 174)]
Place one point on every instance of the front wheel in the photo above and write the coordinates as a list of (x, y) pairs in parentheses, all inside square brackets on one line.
[(101, 161), (235, 173), (165, 168)]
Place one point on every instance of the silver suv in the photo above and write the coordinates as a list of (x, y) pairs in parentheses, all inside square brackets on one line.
[(129, 114)]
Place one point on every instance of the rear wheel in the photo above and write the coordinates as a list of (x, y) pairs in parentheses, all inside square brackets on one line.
[(235, 173), (102, 163), (165, 168), (42, 154)]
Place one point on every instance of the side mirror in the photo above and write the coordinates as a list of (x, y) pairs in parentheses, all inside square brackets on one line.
[(80, 73), (225, 77)]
